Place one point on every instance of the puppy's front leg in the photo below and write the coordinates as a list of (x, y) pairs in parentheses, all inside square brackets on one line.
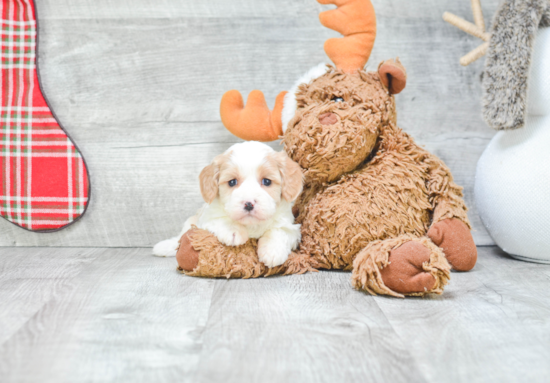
[(275, 245), (228, 232)]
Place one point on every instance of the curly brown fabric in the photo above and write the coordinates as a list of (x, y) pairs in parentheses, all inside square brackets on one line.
[(370, 262), (328, 151), (370, 197), (217, 260)]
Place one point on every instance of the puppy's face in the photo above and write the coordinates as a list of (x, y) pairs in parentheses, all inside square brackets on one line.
[(251, 180)]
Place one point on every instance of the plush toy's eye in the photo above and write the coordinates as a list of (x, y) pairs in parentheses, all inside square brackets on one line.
[(232, 183), (266, 182), (337, 99)]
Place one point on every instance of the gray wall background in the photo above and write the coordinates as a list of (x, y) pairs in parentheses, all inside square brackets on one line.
[(137, 84)]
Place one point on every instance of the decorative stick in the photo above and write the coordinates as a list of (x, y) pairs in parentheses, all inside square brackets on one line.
[(477, 30), (466, 26), (478, 14), (474, 55)]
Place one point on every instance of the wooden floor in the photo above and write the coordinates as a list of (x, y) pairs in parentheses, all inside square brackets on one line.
[(121, 315)]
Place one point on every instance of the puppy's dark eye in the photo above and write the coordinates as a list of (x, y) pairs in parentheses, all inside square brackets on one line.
[(337, 99), (266, 182), (232, 183)]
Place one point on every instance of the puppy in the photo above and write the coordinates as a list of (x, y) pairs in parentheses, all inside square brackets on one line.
[(249, 191)]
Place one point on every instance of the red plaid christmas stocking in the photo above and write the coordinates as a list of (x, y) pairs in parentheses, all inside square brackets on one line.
[(43, 178)]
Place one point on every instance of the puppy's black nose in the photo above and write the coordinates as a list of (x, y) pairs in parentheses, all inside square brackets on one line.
[(248, 206)]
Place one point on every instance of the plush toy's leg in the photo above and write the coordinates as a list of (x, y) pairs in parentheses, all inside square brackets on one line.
[(455, 238), (201, 255), (450, 228), (186, 255), (401, 266)]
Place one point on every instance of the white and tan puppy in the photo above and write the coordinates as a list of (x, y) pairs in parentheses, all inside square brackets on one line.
[(249, 191)]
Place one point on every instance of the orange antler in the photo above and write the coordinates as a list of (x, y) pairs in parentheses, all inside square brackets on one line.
[(356, 20), (255, 122)]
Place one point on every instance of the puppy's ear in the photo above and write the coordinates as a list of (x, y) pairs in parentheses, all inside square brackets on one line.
[(209, 178), (292, 177)]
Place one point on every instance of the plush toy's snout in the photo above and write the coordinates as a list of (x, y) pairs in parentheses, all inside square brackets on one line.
[(328, 119)]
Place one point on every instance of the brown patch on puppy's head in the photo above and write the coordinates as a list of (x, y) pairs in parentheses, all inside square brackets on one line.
[(293, 178), (285, 174), (210, 177), (337, 122)]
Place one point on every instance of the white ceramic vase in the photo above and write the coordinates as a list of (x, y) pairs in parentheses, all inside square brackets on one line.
[(512, 187)]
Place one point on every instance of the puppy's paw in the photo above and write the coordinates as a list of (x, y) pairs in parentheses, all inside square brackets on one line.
[(234, 236), (166, 248), (272, 253)]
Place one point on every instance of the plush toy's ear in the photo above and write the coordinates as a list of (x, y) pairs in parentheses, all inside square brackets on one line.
[(393, 75)]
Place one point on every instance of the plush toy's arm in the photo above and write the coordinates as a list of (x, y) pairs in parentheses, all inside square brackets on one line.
[(445, 195)]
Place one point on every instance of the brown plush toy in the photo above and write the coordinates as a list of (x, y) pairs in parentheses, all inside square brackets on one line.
[(374, 202)]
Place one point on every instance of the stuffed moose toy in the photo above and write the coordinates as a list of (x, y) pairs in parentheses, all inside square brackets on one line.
[(374, 202)]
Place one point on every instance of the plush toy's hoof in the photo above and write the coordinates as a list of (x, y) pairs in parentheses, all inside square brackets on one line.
[(405, 274), (454, 237), (187, 256)]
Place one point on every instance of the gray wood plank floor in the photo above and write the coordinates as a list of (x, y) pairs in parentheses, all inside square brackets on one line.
[(120, 315), (137, 83)]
